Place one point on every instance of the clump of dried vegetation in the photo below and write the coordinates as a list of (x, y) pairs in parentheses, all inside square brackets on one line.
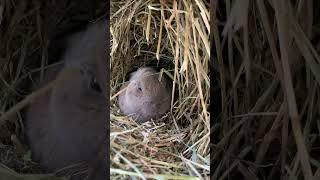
[(174, 36), (269, 68)]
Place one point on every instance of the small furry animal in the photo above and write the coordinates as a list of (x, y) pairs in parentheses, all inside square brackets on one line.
[(145, 97), (67, 125)]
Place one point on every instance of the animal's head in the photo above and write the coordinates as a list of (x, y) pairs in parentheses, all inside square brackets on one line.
[(80, 92)]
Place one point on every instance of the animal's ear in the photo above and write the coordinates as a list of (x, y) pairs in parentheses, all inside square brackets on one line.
[(87, 45), (138, 73)]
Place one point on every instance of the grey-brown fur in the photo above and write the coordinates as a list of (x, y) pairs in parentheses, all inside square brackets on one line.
[(146, 97), (68, 124)]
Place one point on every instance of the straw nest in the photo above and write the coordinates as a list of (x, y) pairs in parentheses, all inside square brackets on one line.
[(173, 36)]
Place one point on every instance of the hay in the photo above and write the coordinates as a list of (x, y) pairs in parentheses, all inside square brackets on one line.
[(268, 61), (174, 36)]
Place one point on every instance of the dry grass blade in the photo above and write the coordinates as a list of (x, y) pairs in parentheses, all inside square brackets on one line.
[(19, 106), (1, 14), (218, 48), (302, 43), (282, 16), (238, 16), (157, 176), (11, 175), (246, 173)]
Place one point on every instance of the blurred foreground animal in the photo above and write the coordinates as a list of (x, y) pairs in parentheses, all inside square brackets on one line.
[(67, 125)]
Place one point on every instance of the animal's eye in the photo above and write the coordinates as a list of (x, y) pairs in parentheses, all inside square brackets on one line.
[(136, 86), (94, 85)]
